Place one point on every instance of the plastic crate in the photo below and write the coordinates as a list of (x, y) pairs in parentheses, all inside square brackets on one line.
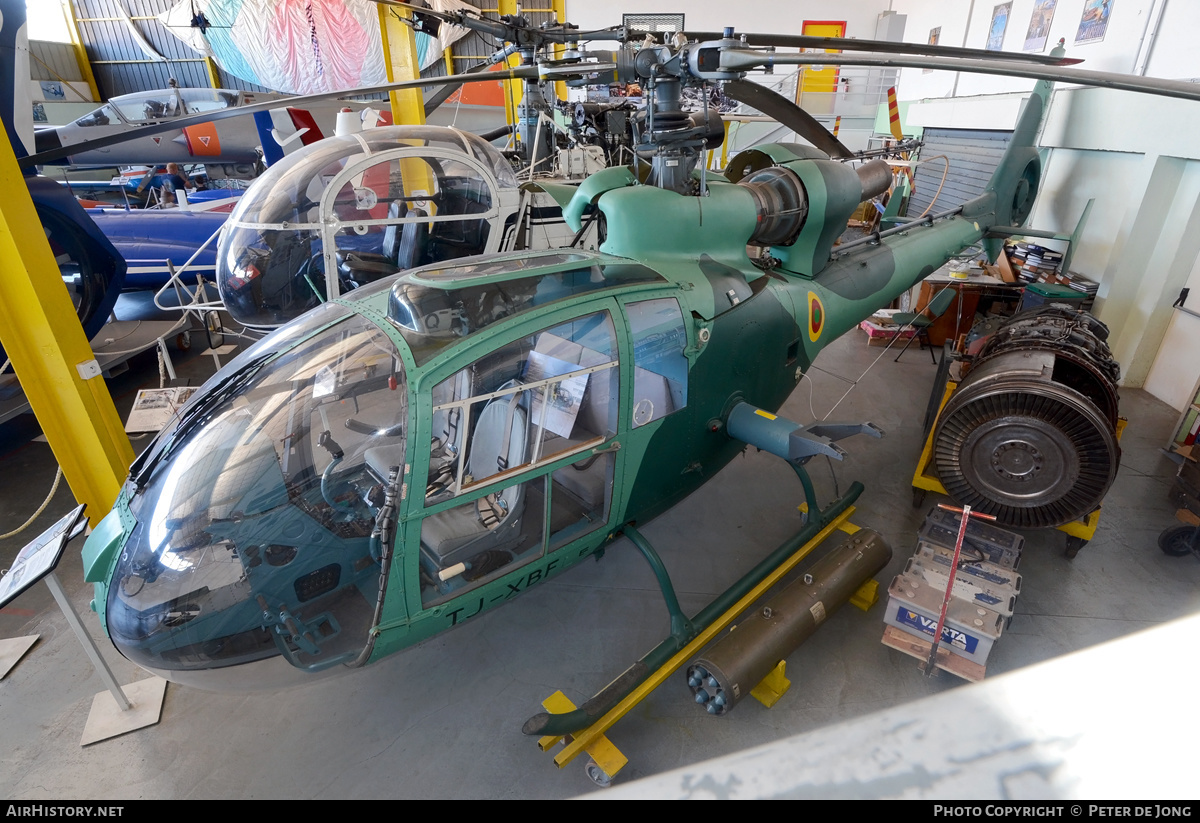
[(1039, 294)]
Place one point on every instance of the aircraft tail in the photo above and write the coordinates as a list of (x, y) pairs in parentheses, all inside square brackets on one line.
[(16, 102), (282, 131), (1010, 194)]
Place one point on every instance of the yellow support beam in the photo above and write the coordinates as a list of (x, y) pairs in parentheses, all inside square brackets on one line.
[(42, 336), (513, 91), (85, 66), (214, 79), (400, 56), (560, 16)]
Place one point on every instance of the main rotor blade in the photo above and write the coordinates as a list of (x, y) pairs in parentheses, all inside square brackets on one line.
[(449, 17), (522, 73), (803, 41), (746, 59), (788, 113), (443, 94)]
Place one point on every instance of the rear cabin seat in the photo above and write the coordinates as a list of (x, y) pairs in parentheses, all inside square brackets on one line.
[(589, 485)]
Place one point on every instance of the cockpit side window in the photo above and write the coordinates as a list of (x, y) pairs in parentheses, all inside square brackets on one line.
[(660, 368), (559, 391), (523, 406)]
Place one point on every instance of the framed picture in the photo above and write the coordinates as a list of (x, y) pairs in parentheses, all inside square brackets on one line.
[(1093, 23), (1039, 25), (1000, 15)]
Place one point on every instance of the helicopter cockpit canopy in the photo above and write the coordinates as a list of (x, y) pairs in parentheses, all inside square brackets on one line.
[(350, 210), (148, 106), (262, 499)]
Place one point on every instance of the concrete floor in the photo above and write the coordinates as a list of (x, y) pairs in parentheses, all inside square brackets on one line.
[(443, 720)]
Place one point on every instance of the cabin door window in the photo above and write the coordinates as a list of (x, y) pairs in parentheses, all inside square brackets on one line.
[(502, 427)]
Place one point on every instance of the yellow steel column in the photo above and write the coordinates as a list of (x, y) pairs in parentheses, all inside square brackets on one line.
[(214, 79), (41, 334), (85, 65), (400, 56), (560, 16), (513, 89)]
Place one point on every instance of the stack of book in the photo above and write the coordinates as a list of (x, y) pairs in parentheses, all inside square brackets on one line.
[(1035, 264), (1080, 283)]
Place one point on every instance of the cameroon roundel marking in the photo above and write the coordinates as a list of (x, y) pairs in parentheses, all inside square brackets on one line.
[(816, 316)]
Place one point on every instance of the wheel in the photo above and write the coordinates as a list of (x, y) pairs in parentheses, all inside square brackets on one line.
[(183, 340), (1178, 540), (597, 775), (918, 497), (1074, 544)]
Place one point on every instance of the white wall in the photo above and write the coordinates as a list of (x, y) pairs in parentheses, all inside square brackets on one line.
[(1135, 154), (966, 23), (780, 16)]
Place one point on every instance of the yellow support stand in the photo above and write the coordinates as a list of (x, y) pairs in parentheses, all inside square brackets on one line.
[(773, 686), (924, 479), (584, 740), (51, 356), (867, 595), (607, 759)]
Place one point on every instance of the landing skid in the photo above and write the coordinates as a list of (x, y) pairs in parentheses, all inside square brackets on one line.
[(582, 729)]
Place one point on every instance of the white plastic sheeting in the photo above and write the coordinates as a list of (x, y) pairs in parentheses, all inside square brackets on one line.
[(298, 46)]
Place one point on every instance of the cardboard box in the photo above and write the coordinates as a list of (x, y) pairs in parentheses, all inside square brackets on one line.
[(878, 335)]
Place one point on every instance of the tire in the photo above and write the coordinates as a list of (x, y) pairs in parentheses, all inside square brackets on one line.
[(1178, 541)]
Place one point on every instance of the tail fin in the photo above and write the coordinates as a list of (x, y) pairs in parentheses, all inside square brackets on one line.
[(16, 102), (1010, 194), (282, 131)]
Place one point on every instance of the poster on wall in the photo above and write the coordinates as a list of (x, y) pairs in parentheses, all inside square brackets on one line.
[(1000, 15), (1039, 25), (1094, 21), (935, 37)]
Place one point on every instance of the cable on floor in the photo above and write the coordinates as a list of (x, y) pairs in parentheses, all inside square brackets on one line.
[(41, 508)]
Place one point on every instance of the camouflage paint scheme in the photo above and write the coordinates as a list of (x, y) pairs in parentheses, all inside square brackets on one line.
[(750, 335)]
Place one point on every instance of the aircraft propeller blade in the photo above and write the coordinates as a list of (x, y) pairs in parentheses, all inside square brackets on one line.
[(801, 41), (521, 73), (788, 113)]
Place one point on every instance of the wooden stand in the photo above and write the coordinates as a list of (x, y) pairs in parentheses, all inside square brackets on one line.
[(916, 647)]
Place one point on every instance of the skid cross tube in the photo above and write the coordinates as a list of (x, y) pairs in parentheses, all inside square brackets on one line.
[(681, 628), (558, 725)]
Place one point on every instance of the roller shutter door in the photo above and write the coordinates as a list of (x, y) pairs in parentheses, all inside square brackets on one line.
[(974, 155)]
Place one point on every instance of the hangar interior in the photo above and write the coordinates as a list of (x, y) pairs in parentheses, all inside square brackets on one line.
[(1096, 641)]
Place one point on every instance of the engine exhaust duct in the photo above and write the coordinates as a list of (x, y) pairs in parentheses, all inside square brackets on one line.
[(782, 202)]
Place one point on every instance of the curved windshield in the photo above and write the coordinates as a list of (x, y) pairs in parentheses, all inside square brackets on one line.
[(256, 530), (310, 228)]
